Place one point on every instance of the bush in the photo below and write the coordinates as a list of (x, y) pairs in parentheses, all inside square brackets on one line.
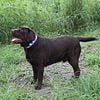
[(47, 17)]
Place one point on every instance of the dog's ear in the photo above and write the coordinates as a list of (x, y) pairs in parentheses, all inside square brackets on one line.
[(25, 29)]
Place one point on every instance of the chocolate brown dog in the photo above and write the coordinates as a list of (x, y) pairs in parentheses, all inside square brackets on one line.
[(41, 51)]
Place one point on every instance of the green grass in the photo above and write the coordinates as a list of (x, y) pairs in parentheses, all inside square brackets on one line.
[(48, 17), (87, 87), (10, 57)]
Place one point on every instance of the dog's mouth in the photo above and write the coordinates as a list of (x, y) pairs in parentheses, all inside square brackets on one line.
[(17, 40)]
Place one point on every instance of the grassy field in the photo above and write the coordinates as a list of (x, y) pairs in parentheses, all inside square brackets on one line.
[(48, 17), (16, 76)]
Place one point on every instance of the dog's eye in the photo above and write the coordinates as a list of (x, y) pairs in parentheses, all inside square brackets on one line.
[(23, 30)]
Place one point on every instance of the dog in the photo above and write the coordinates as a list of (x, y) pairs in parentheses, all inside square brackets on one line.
[(41, 52)]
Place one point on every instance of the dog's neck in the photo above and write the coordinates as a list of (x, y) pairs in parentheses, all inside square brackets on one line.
[(30, 43)]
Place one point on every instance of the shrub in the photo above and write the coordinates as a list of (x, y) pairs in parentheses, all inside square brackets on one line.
[(48, 17)]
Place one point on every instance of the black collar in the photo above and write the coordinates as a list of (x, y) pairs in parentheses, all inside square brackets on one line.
[(30, 43)]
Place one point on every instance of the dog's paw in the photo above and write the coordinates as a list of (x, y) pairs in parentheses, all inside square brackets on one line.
[(33, 82), (77, 74), (37, 87)]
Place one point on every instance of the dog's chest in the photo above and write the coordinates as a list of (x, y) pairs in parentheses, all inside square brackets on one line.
[(31, 57)]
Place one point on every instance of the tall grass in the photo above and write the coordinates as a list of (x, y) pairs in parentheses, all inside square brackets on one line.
[(48, 17)]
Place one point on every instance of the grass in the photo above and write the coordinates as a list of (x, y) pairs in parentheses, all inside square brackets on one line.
[(48, 17), (87, 87), (9, 71)]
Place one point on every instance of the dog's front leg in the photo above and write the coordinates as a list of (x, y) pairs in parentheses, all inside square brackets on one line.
[(39, 77), (35, 72)]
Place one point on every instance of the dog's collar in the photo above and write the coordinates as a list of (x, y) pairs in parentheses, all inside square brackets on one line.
[(30, 43)]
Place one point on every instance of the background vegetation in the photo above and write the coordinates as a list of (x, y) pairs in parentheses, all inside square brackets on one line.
[(48, 17)]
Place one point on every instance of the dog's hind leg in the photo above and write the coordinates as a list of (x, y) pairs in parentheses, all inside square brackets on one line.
[(74, 63)]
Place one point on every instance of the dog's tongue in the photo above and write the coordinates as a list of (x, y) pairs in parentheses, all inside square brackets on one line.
[(17, 40)]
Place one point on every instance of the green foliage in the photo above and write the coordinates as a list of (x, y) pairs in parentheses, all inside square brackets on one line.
[(9, 71), (88, 86), (92, 54), (8, 61), (11, 92), (92, 59), (8, 52), (48, 17)]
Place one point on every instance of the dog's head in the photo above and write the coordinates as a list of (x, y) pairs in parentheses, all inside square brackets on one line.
[(22, 34)]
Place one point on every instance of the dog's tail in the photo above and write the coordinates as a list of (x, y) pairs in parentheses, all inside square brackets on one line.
[(86, 39)]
